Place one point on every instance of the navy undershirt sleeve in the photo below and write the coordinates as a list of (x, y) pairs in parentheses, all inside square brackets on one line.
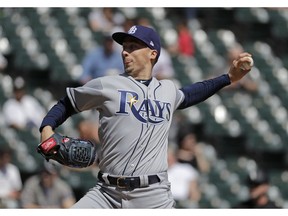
[(200, 91), (58, 113)]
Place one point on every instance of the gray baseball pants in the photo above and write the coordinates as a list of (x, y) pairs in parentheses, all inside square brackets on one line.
[(157, 195)]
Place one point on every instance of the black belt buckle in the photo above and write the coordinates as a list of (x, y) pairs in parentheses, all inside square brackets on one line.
[(122, 183)]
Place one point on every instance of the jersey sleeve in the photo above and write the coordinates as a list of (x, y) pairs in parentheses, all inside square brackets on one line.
[(200, 91), (86, 97), (177, 95), (179, 98)]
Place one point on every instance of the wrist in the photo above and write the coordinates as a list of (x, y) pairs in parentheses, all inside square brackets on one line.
[(47, 131)]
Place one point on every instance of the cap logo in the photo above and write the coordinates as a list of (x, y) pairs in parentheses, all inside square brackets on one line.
[(151, 43), (132, 30)]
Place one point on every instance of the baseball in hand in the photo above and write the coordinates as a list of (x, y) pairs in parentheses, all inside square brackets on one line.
[(247, 65)]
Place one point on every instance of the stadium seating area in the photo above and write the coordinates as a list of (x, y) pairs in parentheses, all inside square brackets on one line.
[(46, 46)]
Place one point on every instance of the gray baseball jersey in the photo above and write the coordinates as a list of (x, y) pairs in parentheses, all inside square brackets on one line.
[(134, 122)]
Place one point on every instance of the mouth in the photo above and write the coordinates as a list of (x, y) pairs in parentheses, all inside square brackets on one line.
[(127, 61)]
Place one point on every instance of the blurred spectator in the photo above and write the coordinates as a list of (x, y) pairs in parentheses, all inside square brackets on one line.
[(22, 111), (185, 39), (247, 83), (182, 13), (88, 130), (10, 180), (144, 22), (190, 13), (164, 68), (184, 182), (102, 61), (194, 153), (185, 43), (47, 190), (259, 184), (105, 20), (128, 22)]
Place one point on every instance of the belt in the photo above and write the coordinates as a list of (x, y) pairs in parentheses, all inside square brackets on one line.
[(128, 182)]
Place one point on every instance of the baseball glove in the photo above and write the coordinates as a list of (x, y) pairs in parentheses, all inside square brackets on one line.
[(68, 151)]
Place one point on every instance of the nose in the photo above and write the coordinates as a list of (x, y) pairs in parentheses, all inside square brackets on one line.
[(124, 54)]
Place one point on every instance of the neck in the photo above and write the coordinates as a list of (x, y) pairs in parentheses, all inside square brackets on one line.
[(141, 73), (145, 82), (143, 79), (140, 77)]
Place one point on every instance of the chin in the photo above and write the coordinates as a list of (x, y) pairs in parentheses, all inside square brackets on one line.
[(128, 71)]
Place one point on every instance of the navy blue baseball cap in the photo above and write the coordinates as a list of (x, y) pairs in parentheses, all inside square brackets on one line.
[(146, 34)]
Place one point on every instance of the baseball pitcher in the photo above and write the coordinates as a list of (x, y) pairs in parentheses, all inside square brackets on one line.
[(136, 111)]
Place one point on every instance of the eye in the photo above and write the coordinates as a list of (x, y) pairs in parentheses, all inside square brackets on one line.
[(129, 47)]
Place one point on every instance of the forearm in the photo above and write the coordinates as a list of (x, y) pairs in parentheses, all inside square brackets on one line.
[(203, 164), (200, 91)]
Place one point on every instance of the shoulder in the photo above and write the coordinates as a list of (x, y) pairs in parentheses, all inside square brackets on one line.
[(94, 51), (30, 98), (9, 102), (109, 80), (100, 83), (171, 87), (33, 181), (12, 168), (187, 170), (167, 83), (120, 80)]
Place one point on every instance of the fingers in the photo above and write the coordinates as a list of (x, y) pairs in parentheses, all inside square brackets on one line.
[(243, 57), (240, 66), (244, 54), (244, 62)]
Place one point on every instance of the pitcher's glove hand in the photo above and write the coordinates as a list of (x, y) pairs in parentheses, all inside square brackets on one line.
[(68, 151)]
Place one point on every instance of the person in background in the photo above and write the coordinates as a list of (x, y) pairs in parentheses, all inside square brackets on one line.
[(192, 152), (164, 68), (185, 39), (22, 111), (259, 184), (105, 19), (47, 190), (184, 44), (88, 130), (103, 60), (10, 180), (184, 182)]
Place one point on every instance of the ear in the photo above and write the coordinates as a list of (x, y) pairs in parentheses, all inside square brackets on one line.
[(154, 54)]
